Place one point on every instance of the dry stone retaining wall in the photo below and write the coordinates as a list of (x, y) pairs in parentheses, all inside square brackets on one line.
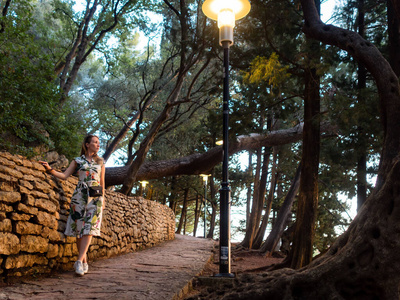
[(33, 212)]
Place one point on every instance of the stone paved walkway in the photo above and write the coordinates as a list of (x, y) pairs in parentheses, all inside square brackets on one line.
[(162, 272)]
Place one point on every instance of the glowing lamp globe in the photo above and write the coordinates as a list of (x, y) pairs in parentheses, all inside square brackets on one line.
[(226, 12)]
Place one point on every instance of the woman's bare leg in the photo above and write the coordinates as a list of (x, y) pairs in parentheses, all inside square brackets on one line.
[(83, 244)]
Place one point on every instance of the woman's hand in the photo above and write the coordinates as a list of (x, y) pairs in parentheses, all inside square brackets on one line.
[(46, 165)]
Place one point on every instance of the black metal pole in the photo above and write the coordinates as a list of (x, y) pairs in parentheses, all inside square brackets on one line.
[(225, 226), (205, 208)]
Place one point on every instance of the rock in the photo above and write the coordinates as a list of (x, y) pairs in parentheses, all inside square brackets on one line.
[(9, 197), (9, 243), (32, 244)]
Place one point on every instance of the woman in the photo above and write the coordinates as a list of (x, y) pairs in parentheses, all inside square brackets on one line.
[(85, 215)]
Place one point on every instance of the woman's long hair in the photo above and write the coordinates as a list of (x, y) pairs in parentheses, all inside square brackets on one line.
[(87, 140)]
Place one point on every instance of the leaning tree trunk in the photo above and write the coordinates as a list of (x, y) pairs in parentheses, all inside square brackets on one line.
[(256, 207), (173, 195), (213, 203), (277, 230), (268, 205), (394, 35), (203, 162), (248, 196), (183, 212), (146, 144), (361, 147), (197, 211)]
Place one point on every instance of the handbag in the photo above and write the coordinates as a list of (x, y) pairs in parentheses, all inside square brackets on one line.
[(95, 191)]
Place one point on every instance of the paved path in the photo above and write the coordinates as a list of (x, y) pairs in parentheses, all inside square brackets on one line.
[(161, 272)]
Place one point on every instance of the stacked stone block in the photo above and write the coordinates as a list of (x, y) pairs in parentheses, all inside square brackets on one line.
[(34, 208)]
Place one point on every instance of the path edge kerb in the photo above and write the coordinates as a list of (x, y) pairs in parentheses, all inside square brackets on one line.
[(189, 286)]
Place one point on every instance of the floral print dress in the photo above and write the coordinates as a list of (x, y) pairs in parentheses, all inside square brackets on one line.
[(85, 212)]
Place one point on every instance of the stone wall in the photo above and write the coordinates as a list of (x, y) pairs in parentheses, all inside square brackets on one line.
[(33, 212)]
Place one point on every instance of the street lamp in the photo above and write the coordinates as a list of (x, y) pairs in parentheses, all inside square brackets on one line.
[(143, 185), (205, 178), (226, 12)]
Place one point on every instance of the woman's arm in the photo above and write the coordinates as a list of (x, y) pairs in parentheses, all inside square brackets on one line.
[(62, 175)]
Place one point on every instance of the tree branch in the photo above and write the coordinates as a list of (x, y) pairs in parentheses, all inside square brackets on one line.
[(202, 162)]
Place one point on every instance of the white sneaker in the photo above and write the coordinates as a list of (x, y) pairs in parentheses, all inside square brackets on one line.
[(85, 268), (79, 268)]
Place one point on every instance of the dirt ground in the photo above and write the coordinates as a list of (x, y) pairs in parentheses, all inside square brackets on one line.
[(243, 261)]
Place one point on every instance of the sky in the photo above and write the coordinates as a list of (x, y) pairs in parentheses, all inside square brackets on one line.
[(327, 8)]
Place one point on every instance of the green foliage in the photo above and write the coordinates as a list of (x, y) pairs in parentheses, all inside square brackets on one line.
[(28, 91), (265, 69)]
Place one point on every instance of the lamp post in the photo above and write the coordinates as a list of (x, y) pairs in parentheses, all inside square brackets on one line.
[(226, 12), (205, 178), (143, 185)]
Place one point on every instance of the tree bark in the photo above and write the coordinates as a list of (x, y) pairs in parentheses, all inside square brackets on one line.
[(393, 15), (183, 212), (248, 202), (267, 209), (4, 14), (122, 133), (277, 230), (307, 205), (213, 203), (198, 163), (173, 195), (257, 204), (146, 144), (361, 145), (196, 215)]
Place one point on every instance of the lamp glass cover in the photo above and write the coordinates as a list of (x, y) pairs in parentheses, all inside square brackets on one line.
[(240, 8), (226, 17)]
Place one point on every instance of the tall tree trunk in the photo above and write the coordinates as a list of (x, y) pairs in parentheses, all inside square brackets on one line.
[(248, 202), (302, 250), (210, 234), (279, 226), (197, 211), (267, 209), (213, 203), (394, 34), (172, 197), (183, 212), (187, 61), (148, 142), (185, 221), (122, 133), (256, 208), (361, 144)]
